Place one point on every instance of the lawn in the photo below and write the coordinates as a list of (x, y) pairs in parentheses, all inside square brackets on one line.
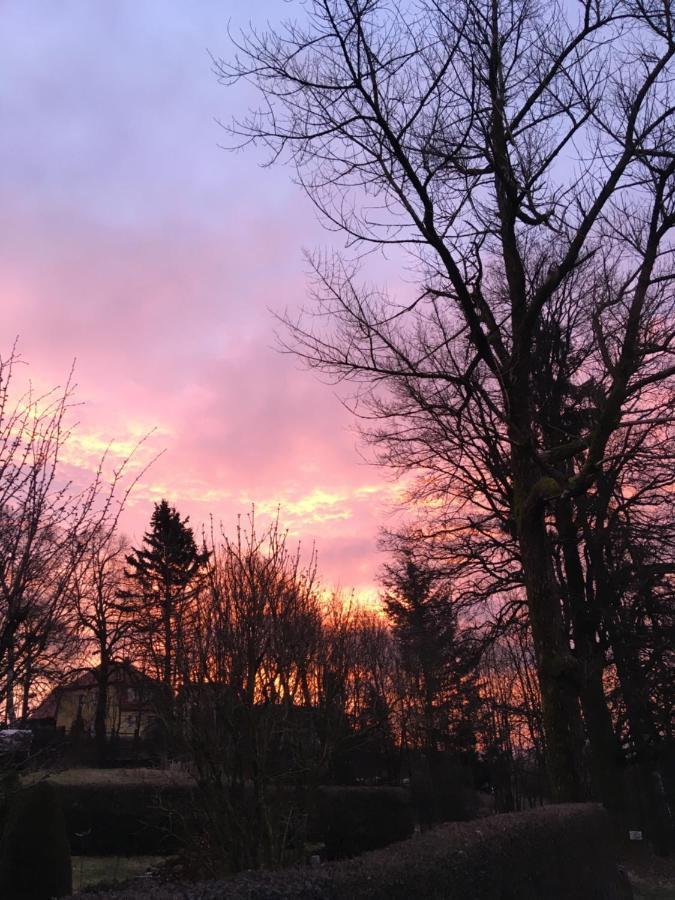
[(651, 890), (162, 778), (652, 877), (91, 870)]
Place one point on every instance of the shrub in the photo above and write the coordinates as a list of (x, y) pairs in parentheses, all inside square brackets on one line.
[(443, 793), (346, 820), (351, 820), (144, 820), (132, 820), (9, 785), (34, 854), (233, 828), (557, 852)]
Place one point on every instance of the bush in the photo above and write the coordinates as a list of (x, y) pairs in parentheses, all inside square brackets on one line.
[(443, 792), (557, 852), (9, 786), (34, 854), (144, 820), (351, 820), (345, 820), (132, 820)]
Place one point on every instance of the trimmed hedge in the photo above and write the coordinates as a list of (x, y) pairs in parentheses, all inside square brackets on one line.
[(144, 820), (129, 820), (557, 853), (34, 852), (352, 820)]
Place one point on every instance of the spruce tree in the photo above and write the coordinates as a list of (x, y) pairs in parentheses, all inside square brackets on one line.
[(435, 657), (164, 574), (441, 682)]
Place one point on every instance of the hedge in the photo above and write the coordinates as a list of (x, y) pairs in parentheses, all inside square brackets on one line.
[(133, 820), (558, 853), (144, 820), (34, 852), (352, 820)]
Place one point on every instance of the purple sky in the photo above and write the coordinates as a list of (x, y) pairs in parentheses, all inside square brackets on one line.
[(134, 244)]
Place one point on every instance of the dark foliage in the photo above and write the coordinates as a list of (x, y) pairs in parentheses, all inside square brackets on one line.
[(104, 820), (353, 820), (442, 791), (439, 662), (558, 853), (163, 576), (138, 820), (35, 855)]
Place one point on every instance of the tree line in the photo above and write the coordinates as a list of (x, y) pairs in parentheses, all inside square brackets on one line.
[(264, 678)]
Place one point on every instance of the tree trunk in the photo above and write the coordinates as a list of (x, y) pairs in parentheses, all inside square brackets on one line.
[(556, 668), (10, 681), (606, 771), (167, 662), (660, 826), (101, 716), (27, 679)]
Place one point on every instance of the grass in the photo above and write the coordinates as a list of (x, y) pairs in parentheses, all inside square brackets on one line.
[(115, 777), (92, 870), (652, 888), (652, 877), (642, 890)]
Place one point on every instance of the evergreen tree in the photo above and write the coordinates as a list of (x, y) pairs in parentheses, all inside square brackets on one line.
[(436, 659), (164, 575)]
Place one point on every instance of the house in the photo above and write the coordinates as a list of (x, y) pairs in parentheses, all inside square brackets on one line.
[(131, 704)]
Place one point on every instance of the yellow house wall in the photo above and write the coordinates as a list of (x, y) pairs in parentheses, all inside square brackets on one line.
[(122, 723)]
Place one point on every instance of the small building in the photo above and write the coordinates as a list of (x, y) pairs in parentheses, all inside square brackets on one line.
[(131, 704)]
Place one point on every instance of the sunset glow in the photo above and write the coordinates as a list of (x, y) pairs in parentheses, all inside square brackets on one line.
[(137, 246)]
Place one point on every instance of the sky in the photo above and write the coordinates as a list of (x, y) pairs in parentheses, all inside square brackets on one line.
[(133, 243)]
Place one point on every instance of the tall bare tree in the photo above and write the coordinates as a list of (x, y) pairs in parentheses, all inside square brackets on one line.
[(46, 524), (522, 154)]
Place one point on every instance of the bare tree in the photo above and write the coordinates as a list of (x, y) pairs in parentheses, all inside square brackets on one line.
[(510, 728), (100, 621), (521, 154), (254, 642), (46, 525)]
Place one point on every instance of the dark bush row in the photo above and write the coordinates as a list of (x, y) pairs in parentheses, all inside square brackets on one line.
[(34, 852), (142, 820), (134, 820), (557, 853), (352, 820)]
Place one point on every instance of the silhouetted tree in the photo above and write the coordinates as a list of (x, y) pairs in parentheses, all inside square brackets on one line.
[(439, 665), (248, 706), (523, 154), (46, 525), (104, 626), (510, 729), (164, 575)]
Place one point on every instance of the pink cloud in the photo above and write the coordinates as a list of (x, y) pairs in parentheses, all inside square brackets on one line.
[(164, 341), (133, 243)]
